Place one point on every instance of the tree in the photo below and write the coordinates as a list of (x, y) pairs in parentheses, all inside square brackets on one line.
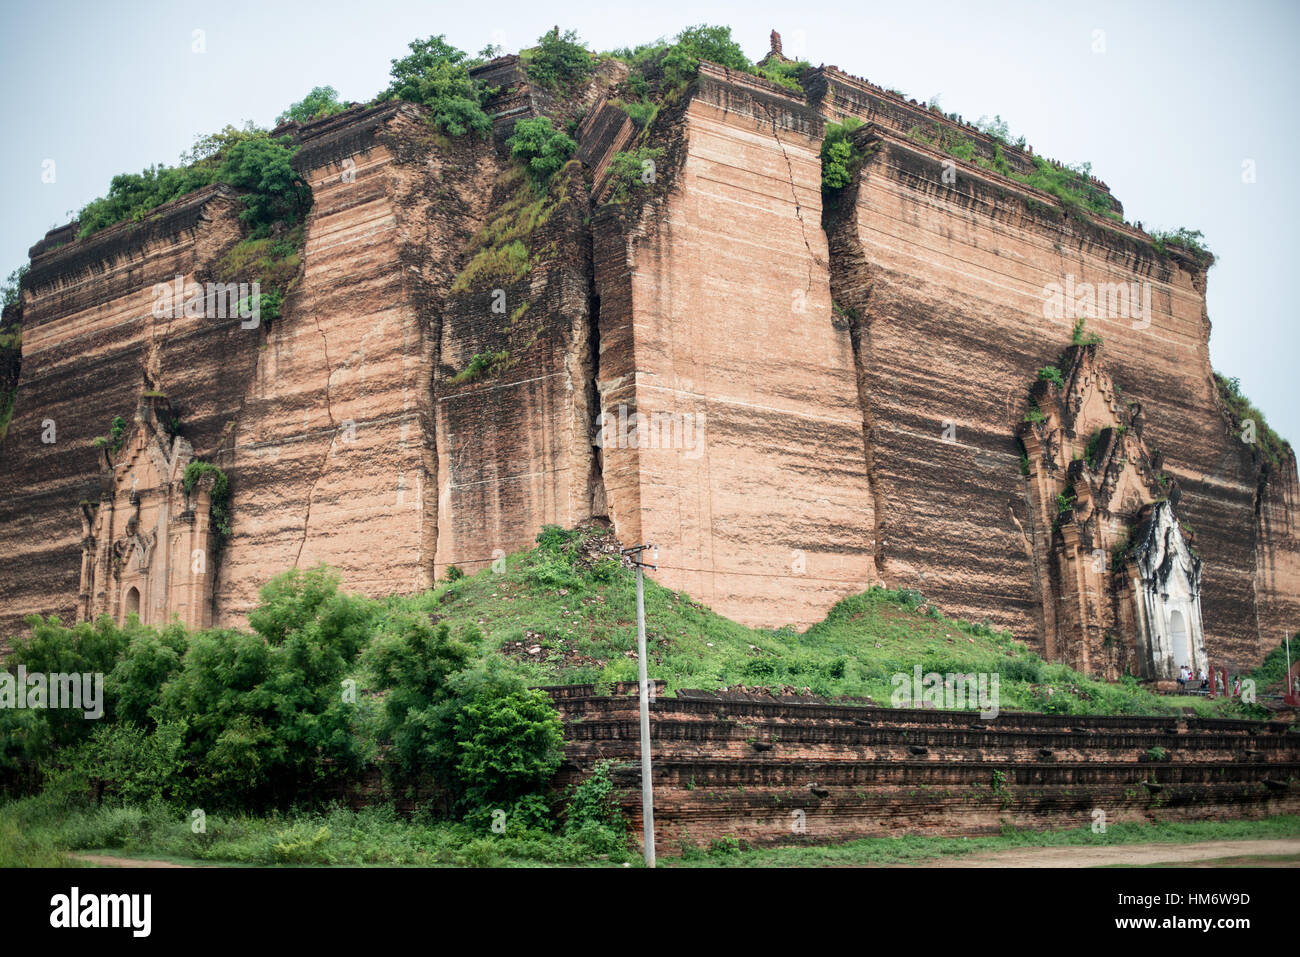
[(436, 74), (413, 664), (703, 42), (540, 147), (10, 291), (509, 738), (321, 101), (264, 712), (264, 168), (559, 60)]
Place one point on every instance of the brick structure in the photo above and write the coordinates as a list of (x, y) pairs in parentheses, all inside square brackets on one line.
[(786, 771), (794, 400)]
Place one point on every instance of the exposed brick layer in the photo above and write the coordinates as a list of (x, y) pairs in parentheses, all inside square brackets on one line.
[(787, 772), (832, 394)]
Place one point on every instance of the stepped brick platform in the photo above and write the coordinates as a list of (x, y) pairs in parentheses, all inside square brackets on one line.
[(797, 769)]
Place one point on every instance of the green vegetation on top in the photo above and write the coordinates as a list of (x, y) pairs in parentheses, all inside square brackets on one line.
[(1249, 422), (674, 64), (559, 61), (1190, 239), (322, 101), (248, 159), (839, 159), (1072, 185), (436, 74)]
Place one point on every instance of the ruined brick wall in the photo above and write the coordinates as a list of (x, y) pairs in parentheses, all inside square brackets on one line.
[(716, 313), (333, 456), (790, 770), (829, 398), (91, 347), (946, 281), (515, 441)]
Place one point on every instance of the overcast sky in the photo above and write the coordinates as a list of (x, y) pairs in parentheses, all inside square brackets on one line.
[(1167, 102)]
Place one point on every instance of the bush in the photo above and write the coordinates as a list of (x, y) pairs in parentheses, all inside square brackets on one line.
[(132, 196), (320, 102), (436, 75), (123, 762), (413, 664), (218, 498), (1191, 239), (838, 156), (591, 803), (631, 169), (11, 291), (702, 42), (263, 167), (559, 61), (540, 147), (1053, 375), (52, 648), (265, 717), (248, 160), (509, 740), (151, 659), (1241, 411), (1081, 338)]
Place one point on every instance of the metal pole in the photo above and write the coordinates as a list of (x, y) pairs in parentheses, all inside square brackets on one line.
[(1287, 638), (647, 789)]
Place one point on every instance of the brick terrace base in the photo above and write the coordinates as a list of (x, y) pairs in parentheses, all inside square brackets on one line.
[(797, 770)]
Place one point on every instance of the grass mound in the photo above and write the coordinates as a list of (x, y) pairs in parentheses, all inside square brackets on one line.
[(565, 613)]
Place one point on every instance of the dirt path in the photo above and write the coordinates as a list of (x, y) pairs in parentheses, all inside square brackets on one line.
[(1128, 855), (108, 860)]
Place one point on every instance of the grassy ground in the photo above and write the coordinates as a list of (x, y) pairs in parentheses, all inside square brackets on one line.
[(42, 831), (38, 832), (905, 850), (580, 615)]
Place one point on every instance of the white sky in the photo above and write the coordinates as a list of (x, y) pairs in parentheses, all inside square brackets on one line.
[(1182, 95)]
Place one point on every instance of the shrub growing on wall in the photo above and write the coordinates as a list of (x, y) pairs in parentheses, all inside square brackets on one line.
[(436, 74), (320, 102), (559, 61), (838, 157), (541, 148)]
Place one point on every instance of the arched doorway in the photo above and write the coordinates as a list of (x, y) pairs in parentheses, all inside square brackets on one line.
[(1179, 640), (130, 603)]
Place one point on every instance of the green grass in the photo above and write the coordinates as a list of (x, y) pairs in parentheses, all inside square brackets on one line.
[(583, 619), (501, 252), (1241, 410), (913, 849), (41, 831)]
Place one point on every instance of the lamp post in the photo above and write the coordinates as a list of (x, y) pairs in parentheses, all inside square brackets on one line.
[(647, 789)]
